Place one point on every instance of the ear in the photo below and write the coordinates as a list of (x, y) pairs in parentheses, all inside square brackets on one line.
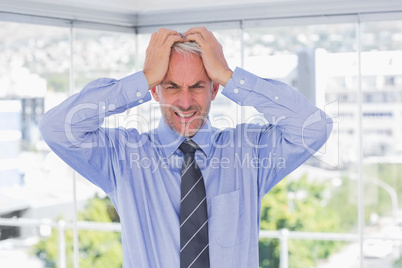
[(154, 92), (215, 88)]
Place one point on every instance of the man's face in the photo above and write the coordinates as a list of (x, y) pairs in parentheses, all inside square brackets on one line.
[(185, 94)]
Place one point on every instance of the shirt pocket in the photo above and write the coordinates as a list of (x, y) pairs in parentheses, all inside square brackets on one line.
[(228, 220)]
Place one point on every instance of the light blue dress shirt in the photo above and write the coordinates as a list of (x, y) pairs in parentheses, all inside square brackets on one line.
[(140, 172)]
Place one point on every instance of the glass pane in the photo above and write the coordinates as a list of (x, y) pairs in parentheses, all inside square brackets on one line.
[(100, 54), (320, 196), (382, 141), (35, 186), (104, 54), (147, 115)]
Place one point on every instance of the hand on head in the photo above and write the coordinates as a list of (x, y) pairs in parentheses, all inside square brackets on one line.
[(212, 54), (159, 50), (158, 54)]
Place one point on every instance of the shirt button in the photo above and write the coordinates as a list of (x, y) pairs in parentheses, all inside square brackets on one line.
[(276, 98), (138, 94), (236, 91), (140, 101), (103, 107), (242, 82)]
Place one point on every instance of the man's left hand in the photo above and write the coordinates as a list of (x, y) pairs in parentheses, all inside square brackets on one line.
[(212, 54)]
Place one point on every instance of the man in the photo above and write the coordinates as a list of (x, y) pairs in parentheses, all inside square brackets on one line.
[(166, 222)]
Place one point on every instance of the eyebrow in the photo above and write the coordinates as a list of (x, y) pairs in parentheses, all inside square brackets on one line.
[(171, 83), (199, 83), (176, 85)]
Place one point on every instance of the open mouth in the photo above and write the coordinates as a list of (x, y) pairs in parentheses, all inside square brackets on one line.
[(187, 115)]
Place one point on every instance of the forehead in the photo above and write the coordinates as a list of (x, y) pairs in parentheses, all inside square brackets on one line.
[(185, 68)]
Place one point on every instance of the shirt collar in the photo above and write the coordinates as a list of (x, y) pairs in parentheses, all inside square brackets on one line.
[(170, 141)]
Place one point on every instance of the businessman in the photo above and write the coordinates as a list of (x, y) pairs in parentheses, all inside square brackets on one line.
[(188, 194)]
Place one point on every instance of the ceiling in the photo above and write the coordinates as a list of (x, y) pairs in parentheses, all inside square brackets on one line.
[(139, 6), (142, 13)]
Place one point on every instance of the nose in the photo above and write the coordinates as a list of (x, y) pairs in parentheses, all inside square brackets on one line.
[(185, 99)]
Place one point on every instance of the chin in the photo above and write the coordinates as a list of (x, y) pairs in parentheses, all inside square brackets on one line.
[(186, 130), (187, 134)]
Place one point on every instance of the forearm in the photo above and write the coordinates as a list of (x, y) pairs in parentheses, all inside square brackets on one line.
[(297, 129), (300, 122), (84, 112), (72, 129)]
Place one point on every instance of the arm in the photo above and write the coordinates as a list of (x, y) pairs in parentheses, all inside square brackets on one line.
[(296, 131), (73, 128)]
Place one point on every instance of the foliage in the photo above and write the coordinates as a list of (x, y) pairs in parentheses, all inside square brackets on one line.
[(379, 200), (397, 264), (97, 248), (344, 199), (297, 206), (57, 82)]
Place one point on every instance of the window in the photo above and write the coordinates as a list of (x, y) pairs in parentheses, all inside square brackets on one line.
[(34, 184), (328, 53), (381, 167), (319, 211)]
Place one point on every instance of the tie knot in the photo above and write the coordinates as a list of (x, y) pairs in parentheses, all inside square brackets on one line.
[(188, 146)]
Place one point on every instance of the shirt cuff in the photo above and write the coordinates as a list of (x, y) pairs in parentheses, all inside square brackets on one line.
[(240, 85), (243, 83), (136, 88)]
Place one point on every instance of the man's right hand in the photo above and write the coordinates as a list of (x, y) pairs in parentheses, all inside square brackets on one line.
[(158, 54)]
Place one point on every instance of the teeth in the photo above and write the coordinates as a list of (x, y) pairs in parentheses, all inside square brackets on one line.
[(184, 115)]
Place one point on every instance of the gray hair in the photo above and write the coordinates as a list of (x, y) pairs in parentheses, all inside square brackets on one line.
[(187, 48)]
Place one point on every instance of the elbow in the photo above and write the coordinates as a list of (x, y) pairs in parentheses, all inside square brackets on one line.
[(44, 127), (325, 129), (48, 127), (329, 126), (316, 133)]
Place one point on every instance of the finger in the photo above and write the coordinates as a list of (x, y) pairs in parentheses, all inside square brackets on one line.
[(151, 41), (205, 44), (173, 39), (204, 37), (163, 34), (195, 37), (205, 34), (153, 36), (200, 30)]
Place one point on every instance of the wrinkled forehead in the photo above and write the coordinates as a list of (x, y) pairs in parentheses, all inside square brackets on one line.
[(186, 67)]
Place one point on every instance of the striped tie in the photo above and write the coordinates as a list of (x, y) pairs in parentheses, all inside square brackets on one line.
[(194, 247)]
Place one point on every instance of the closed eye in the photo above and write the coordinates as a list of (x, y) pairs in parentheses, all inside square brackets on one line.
[(171, 85), (198, 85)]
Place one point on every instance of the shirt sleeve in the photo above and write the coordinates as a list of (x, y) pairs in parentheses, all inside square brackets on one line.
[(296, 130), (73, 128)]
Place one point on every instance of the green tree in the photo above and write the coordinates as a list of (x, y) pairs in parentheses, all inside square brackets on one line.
[(344, 199), (97, 248)]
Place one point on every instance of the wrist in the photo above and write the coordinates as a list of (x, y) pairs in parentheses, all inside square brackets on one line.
[(151, 81), (226, 77)]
